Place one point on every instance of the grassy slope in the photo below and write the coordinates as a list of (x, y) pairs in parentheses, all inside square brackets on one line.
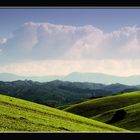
[(94, 107), (21, 115), (131, 120)]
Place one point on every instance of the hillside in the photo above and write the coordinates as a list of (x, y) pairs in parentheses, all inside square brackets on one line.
[(57, 93), (98, 106), (52, 93), (20, 115), (130, 121)]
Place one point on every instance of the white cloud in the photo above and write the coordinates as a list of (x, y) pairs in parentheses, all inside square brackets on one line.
[(3, 40), (49, 41), (44, 48), (121, 44)]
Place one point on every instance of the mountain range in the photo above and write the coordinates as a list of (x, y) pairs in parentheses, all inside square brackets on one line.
[(77, 77), (56, 93)]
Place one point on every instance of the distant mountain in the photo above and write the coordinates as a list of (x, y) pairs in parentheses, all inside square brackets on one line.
[(53, 93), (77, 77), (102, 78), (56, 93), (13, 77), (10, 77)]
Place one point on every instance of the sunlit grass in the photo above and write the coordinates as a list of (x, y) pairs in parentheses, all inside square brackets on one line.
[(21, 115), (103, 109), (94, 107)]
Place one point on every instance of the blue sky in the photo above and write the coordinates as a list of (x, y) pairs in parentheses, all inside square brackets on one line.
[(41, 41), (106, 19)]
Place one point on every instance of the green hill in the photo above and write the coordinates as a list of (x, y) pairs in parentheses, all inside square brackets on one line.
[(105, 108), (58, 93), (130, 121), (97, 106), (20, 115)]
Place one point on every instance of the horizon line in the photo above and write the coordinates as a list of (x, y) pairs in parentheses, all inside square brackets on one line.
[(69, 74)]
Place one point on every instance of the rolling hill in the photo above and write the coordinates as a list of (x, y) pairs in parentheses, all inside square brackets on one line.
[(130, 121), (120, 110), (57, 93), (20, 115), (97, 106)]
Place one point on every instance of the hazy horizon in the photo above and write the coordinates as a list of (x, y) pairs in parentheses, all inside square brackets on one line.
[(69, 74), (39, 42)]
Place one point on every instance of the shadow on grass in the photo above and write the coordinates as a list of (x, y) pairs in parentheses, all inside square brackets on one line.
[(119, 115)]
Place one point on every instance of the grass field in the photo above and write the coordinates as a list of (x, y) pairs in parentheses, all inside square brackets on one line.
[(131, 121), (103, 109), (97, 106), (20, 115)]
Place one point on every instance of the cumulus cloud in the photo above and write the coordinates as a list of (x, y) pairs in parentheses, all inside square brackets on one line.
[(47, 48), (49, 41), (121, 44), (20, 45), (45, 40)]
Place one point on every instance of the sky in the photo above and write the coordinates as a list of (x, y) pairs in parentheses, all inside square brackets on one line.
[(50, 41)]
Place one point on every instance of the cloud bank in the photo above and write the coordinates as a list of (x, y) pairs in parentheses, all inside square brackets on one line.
[(63, 67), (49, 41), (70, 48)]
